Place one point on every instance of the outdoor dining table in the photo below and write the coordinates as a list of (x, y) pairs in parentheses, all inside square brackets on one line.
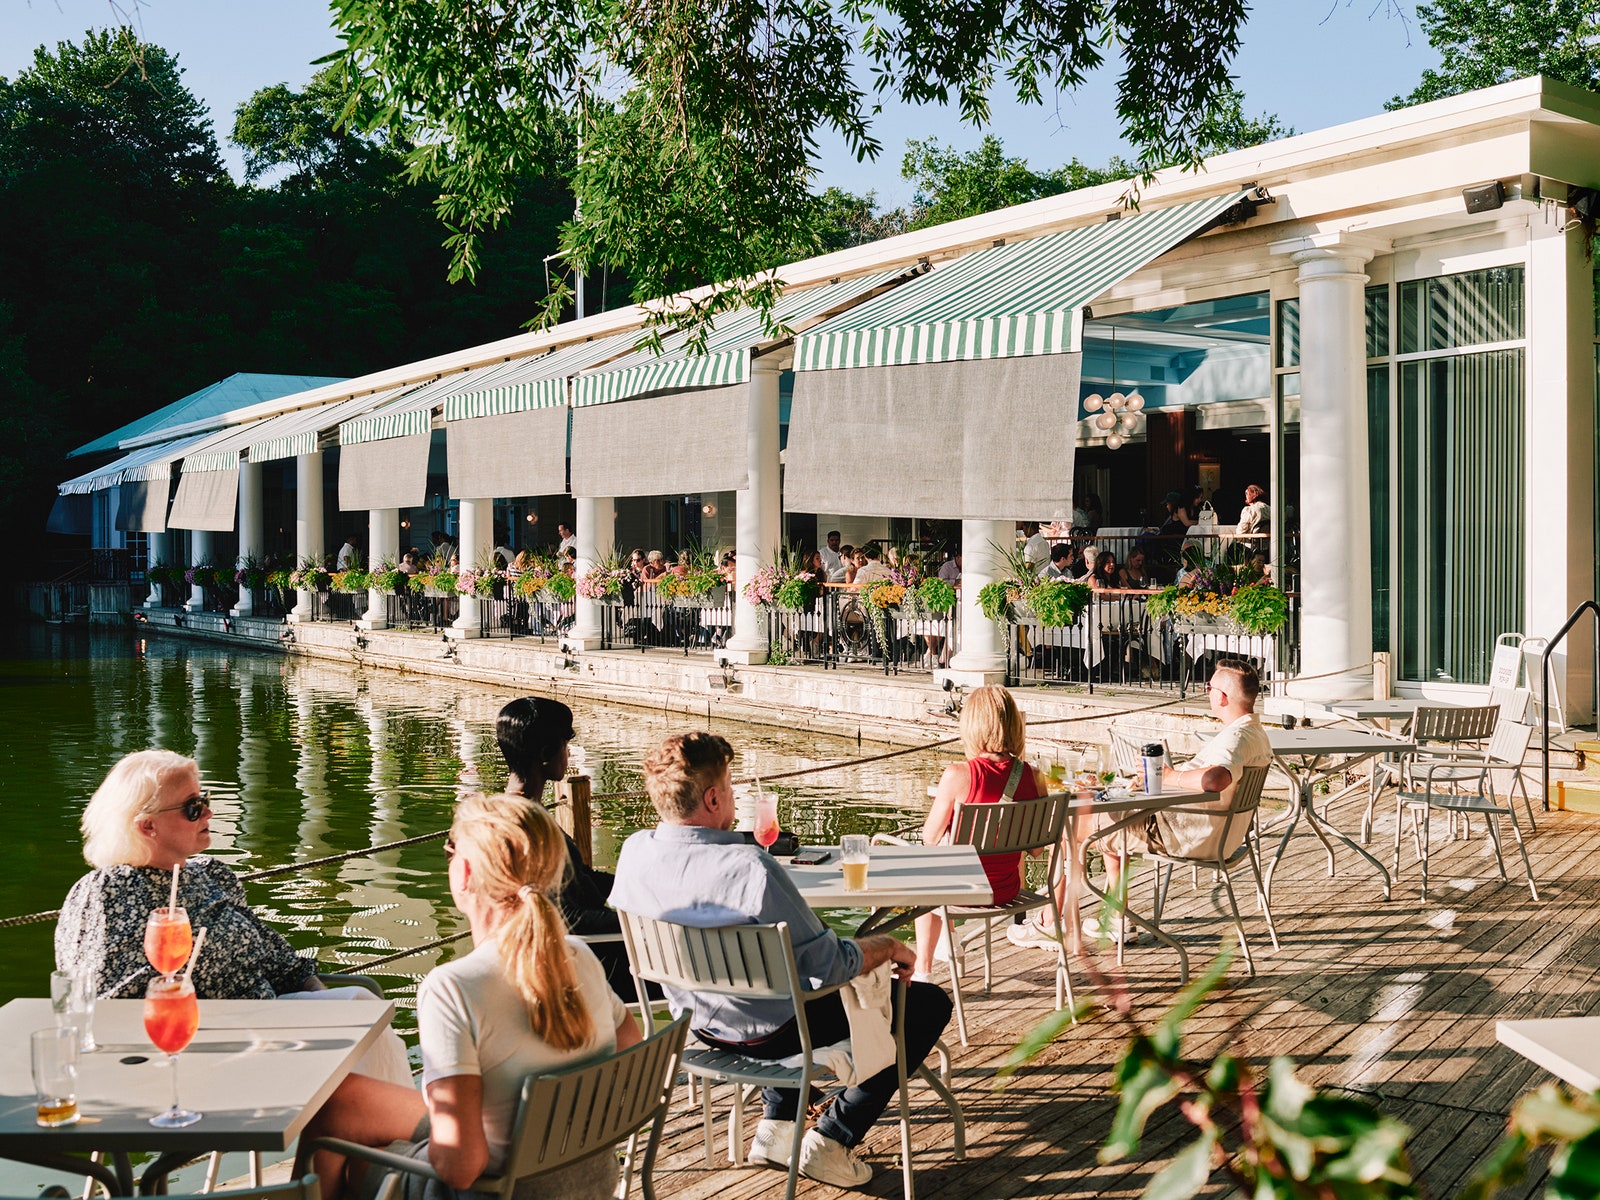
[(1395, 708), (257, 1071), (1567, 1047), (1310, 757), (903, 882), (1127, 812)]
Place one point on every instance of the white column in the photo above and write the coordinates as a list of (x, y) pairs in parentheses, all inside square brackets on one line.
[(252, 535), (383, 543), (596, 531), (1559, 520), (758, 513), (981, 657), (199, 556), (1335, 483), (307, 523), (160, 553), (476, 544)]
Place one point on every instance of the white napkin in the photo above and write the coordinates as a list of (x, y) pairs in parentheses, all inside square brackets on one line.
[(866, 1006)]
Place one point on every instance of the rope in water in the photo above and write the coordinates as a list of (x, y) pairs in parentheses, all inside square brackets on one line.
[(272, 872)]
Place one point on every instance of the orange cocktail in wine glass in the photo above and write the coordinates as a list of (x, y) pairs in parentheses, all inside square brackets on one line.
[(171, 1017), (168, 939)]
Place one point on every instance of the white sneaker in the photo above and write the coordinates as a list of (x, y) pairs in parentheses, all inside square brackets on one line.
[(941, 950), (1113, 929), (921, 977), (772, 1144), (828, 1161), (1029, 934)]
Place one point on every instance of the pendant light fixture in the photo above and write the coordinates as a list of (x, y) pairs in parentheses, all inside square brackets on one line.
[(1115, 415)]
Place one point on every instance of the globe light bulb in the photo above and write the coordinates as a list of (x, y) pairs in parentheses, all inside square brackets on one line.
[(1114, 442), (1093, 402), (1116, 399), (1106, 420), (1135, 401), (1130, 422)]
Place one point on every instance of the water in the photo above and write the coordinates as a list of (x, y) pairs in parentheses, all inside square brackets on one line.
[(306, 759)]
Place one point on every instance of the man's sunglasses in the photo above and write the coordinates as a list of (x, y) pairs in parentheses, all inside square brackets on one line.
[(193, 808)]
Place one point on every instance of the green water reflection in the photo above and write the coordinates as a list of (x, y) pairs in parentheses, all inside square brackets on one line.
[(306, 759)]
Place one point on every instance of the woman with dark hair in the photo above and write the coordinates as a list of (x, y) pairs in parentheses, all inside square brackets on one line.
[(1105, 574), (533, 734)]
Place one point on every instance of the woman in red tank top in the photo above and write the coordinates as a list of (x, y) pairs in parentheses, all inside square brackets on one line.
[(992, 734)]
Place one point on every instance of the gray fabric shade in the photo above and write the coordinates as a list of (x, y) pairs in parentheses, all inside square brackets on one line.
[(142, 505), (983, 440), (72, 514), (679, 442), (517, 454), (205, 500), (392, 473)]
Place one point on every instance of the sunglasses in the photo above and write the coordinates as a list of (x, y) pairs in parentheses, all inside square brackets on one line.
[(193, 808)]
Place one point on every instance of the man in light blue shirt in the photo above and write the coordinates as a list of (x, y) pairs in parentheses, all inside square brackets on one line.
[(693, 869)]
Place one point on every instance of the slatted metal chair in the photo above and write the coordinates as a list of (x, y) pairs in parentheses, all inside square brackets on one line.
[(1441, 735), (309, 1188), (1128, 752), (1236, 844), (1014, 827), (757, 962), (564, 1117)]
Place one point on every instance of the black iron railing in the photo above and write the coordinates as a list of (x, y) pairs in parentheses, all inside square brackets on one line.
[(840, 628), (512, 616), (643, 618)]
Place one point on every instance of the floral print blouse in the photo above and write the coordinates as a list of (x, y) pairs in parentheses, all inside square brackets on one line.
[(101, 932)]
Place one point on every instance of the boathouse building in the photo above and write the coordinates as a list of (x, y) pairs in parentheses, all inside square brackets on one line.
[(1390, 324)]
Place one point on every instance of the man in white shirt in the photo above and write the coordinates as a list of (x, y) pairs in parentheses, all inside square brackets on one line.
[(1218, 766), (347, 554), (831, 561), (568, 540), (950, 571), (874, 571), (1036, 549), (1061, 564)]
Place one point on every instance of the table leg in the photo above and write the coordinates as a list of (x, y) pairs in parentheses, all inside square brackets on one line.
[(1321, 826), (117, 1183), (883, 920), (1127, 911), (154, 1180), (1296, 803)]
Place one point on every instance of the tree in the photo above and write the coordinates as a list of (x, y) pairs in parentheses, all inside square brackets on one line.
[(698, 119), (1485, 42), (844, 219), (952, 185), (278, 127)]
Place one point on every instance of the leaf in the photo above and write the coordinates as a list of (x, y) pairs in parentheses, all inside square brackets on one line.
[(1505, 1167), (1036, 1039), (1187, 1173), (1575, 1170), (1168, 1032), (1285, 1095), (1224, 1074), (1149, 1088)]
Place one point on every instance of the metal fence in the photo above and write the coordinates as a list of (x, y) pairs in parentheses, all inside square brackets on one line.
[(270, 601), (409, 610), (512, 616), (643, 618), (1117, 643), (338, 607), (839, 628)]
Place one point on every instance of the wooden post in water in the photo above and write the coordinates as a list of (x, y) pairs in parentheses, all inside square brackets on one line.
[(573, 813)]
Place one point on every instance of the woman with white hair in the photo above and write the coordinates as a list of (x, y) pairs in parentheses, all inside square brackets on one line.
[(147, 818)]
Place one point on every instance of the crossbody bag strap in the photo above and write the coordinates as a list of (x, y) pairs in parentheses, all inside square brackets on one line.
[(1016, 778)]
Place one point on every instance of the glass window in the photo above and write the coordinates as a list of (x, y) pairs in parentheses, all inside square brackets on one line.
[(1289, 332), (1378, 470), (1378, 321), (1469, 309), (1461, 512)]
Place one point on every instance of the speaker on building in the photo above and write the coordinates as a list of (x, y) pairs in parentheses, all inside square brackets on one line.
[(1484, 197)]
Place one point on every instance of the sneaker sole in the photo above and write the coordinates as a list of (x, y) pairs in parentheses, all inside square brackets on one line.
[(761, 1160)]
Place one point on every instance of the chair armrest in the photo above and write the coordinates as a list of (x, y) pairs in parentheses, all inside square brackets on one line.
[(363, 981), (398, 1162), (889, 839), (596, 939)]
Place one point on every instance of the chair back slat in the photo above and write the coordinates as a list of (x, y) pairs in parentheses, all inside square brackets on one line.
[(309, 1188), (1242, 808), (1455, 724), (1510, 742), (744, 960), (564, 1116), (1128, 751), (1010, 826), (1511, 701)]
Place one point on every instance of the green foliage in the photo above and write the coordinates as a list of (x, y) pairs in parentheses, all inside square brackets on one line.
[(1259, 608), (561, 586), (796, 593), (1481, 45), (278, 127), (1058, 602), (952, 184), (936, 595), (699, 123), (995, 599), (1550, 1116), (385, 577)]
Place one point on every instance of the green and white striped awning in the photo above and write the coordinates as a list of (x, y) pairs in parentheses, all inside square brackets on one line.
[(285, 436), (1005, 302), (537, 382), (411, 413), (147, 462), (726, 357)]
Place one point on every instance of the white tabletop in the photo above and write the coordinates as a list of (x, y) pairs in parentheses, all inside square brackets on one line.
[(1139, 802), (1385, 710), (1567, 1047), (899, 877), (256, 1071), (1314, 742)]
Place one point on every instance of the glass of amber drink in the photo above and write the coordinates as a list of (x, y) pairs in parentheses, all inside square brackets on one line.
[(171, 1016), (168, 939), (55, 1076), (854, 853)]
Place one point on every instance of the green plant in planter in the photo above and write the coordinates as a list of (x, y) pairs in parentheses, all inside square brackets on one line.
[(447, 582), (386, 577), (561, 586), (353, 580), (936, 595), (796, 592), (1057, 602), (279, 579), (995, 599), (1259, 608)]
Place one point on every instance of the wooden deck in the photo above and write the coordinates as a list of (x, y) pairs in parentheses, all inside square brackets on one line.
[(1394, 1000)]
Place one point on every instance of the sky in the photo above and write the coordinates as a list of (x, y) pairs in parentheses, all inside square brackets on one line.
[(1314, 63)]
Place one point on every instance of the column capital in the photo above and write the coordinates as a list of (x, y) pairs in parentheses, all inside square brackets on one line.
[(1345, 251), (767, 364)]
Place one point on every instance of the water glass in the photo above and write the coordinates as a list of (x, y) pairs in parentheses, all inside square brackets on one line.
[(55, 1076), (72, 1001), (854, 856)]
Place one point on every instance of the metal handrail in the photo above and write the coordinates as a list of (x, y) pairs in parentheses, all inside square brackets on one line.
[(1588, 606)]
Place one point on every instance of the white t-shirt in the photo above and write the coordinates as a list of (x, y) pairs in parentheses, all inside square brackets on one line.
[(1242, 743), (1037, 551), (347, 554), (565, 543), (873, 572), (472, 1021), (831, 561)]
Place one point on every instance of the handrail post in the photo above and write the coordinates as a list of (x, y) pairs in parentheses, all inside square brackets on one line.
[(1588, 606), (574, 815)]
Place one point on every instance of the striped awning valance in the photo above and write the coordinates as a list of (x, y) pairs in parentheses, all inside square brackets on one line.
[(412, 412), (535, 382), (147, 462), (726, 356), (284, 436), (1005, 302)]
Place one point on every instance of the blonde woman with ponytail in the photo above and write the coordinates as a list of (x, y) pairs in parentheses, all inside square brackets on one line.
[(527, 999)]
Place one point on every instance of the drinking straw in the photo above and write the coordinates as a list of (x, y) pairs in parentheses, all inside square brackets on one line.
[(194, 955), (172, 902)]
